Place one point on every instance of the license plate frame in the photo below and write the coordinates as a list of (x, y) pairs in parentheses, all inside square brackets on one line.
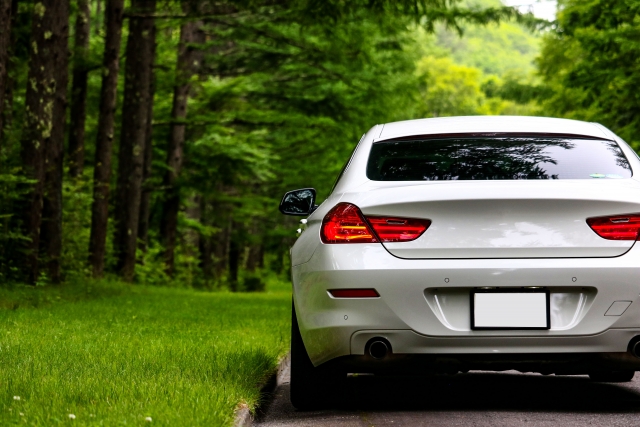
[(511, 292)]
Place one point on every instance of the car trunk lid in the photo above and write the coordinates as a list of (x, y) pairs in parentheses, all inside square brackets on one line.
[(519, 219)]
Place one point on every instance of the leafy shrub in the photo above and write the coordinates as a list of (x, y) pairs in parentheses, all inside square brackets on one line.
[(253, 282)]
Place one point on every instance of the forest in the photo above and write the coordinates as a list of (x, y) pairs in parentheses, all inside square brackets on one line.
[(151, 140)]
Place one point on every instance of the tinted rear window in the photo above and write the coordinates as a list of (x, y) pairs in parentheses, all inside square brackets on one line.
[(496, 159)]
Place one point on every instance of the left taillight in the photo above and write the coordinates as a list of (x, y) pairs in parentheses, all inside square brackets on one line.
[(345, 223), (616, 227)]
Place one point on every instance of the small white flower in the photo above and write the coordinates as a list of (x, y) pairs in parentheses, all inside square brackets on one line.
[(148, 419), (92, 415), (73, 417), (16, 397), (21, 414)]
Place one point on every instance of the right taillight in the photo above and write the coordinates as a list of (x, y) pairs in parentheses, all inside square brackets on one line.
[(391, 229), (617, 227), (345, 223)]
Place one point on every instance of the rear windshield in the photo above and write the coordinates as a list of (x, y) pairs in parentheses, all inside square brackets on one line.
[(496, 158)]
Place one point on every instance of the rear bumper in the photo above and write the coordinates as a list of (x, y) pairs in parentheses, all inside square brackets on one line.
[(551, 363), (423, 307), (409, 342)]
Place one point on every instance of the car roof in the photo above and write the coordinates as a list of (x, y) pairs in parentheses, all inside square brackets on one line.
[(490, 124)]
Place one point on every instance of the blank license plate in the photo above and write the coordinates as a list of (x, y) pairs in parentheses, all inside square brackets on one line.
[(493, 309)]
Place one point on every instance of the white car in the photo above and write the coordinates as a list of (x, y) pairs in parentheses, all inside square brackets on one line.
[(470, 243)]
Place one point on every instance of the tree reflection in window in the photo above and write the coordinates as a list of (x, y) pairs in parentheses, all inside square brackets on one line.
[(496, 158), (621, 160)]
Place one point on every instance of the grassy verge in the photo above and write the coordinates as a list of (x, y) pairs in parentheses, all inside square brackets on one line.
[(113, 354)]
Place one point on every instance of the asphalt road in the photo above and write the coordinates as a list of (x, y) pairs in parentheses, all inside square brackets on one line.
[(475, 399)]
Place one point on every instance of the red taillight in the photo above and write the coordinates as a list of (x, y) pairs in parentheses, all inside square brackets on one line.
[(354, 293), (618, 227), (398, 229), (346, 224)]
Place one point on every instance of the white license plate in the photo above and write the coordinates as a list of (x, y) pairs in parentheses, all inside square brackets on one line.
[(509, 310)]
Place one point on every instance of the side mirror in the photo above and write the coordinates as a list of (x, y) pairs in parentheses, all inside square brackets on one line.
[(299, 202)]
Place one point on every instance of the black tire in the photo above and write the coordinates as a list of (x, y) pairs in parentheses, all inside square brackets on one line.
[(309, 387), (612, 376)]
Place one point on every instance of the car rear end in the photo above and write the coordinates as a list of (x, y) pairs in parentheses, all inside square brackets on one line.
[(485, 249), (494, 244)]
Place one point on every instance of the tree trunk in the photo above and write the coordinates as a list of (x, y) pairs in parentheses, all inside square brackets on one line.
[(6, 118), (44, 128), (104, 141), (193, 212), (145, 201), (97, 25), (79, 90), (184, 71), (135, 113), (221, 249), (205, 243), (234, 264), (51, 232), (255, 258), (5, 124), (5, 43)]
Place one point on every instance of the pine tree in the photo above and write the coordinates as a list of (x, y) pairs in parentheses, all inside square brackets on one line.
[(5, 41), (145, 198), (79, 90), (186, 65), (135, 112), (104, 143), (43, 134)]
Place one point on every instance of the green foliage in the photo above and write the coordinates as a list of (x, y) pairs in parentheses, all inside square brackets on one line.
[(253, 282), (426, 12), (282, 108), (76, 199), (315, 87), (478, 70), (282, 94), (180, 357), (495, 49), (150, 269), (449, 89), (589, 64), (13, 187)]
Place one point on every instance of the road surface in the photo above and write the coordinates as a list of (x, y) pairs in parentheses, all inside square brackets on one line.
[(475, 399)]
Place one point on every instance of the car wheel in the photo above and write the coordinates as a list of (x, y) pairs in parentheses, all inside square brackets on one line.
[(612, 376), (310, 387)]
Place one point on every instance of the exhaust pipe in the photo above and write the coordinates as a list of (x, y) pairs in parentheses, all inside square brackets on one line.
[(379, 348), (635, 349)]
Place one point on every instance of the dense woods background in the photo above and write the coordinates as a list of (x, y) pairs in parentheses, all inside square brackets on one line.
[(152, 139)]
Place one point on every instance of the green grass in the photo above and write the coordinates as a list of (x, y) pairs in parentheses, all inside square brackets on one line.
[(114, 354)]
